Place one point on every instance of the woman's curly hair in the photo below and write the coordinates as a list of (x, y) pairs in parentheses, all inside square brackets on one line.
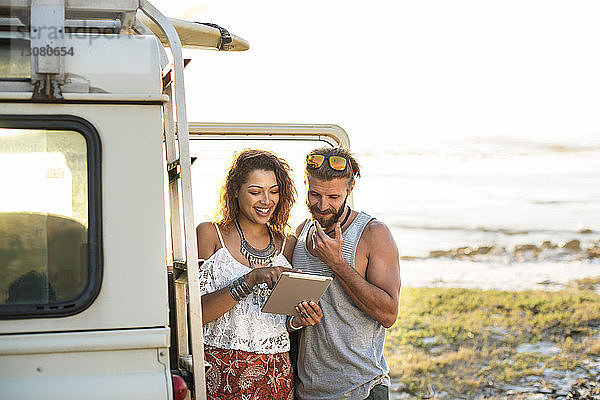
[(249, 160)]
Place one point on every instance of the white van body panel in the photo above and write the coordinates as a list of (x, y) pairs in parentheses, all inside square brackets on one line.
[(126, 364), (118, 347), (115, 63), (133, 220)]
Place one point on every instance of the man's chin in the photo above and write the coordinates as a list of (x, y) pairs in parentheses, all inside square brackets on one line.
[(326, 224)]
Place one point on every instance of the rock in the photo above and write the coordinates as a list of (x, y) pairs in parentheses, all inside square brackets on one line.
[(430, 340), (545, 348), (409, 258), (525, 247), (572, 245), (584, 390), (546, 282), (483, 250), (546, 244), (520, 250), (511, 232), (593, 252), (440, 253), (586, 231), (463, 251)]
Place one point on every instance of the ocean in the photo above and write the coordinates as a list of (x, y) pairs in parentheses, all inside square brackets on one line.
[(501, 213)]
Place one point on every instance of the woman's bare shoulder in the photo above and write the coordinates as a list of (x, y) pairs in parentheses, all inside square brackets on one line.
[(208, 240), (206, 229)]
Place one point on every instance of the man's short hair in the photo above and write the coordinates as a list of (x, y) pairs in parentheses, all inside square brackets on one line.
[(327, 173)]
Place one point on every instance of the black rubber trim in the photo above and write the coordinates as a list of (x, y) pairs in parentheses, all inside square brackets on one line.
[(225, 41), (95, 249)]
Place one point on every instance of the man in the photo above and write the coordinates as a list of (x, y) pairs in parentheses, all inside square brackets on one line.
[(342, 357)]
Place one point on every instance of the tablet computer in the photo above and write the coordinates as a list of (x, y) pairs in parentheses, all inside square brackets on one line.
[(292, 288)]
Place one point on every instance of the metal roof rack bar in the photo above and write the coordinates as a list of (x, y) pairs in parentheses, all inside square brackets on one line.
[(189, 231)]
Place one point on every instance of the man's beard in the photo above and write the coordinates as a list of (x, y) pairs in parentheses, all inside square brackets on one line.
[(327, 223)]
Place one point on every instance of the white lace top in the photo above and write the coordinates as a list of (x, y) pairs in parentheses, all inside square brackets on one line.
[(244, 327)]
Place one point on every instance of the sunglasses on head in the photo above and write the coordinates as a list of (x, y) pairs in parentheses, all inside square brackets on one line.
[(337, 163)]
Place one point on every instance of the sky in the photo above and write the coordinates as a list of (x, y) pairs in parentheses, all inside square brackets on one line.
[(404, 71)]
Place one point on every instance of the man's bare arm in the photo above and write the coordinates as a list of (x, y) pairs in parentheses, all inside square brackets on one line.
[(376, 294)]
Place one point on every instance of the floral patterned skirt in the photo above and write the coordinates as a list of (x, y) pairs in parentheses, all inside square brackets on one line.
[(237, 374)]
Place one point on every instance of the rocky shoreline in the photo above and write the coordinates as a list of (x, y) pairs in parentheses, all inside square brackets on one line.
[(452, 343), (581, 390), (547, 250)]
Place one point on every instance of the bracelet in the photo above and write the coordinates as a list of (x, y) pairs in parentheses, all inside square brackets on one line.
[(233, 292), (236, 292), (244, 285), (289, 326), (239, 288)]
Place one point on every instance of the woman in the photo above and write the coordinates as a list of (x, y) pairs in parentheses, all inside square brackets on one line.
[(245, 252)]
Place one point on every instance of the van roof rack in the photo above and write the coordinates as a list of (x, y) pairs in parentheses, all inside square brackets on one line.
[(45, 23), (113, 17), (121, 10)]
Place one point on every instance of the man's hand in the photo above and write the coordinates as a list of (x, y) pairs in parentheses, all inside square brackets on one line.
[(373, 283), (308, 313), (329, 249)]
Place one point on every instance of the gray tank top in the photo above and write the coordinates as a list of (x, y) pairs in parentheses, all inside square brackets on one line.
[(341, 357)]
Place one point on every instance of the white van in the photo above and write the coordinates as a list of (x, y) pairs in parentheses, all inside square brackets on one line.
[(96, 204)]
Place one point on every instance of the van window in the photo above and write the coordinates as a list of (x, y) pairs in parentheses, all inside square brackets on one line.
[(48, 250)]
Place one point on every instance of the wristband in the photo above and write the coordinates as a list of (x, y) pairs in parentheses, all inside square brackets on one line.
[(289, 326), (234, 292), (244, 285), (239, 288)]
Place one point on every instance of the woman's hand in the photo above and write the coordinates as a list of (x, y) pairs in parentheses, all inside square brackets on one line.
[(308, 313), (268, 275)]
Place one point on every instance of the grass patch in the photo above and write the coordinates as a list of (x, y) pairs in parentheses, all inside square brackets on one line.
[(465, 340)]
